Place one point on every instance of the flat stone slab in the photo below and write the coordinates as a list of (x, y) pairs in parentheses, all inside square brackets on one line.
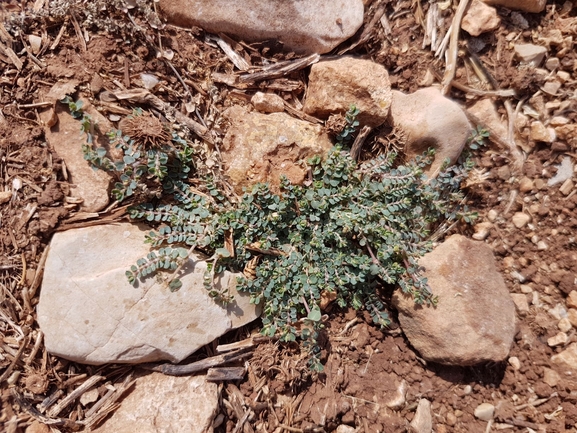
[(158, 403), (90, 313), (310, 26)]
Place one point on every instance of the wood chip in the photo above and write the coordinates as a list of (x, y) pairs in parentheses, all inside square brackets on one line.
[(224, 42), (70, 398), (279, 69), (11, 55), (451, 66), (195, 367), (223, 374)]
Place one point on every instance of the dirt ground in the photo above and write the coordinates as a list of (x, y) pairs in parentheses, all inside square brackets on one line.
[(364, 367)]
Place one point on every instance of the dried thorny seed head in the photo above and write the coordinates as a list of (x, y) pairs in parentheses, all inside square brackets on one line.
[(476, 177), (146, 130), (335, 124)]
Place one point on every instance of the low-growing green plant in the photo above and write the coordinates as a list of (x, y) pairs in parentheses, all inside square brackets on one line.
[(353, 229)]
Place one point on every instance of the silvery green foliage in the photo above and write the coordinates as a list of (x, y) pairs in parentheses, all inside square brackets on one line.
[(351, 230)]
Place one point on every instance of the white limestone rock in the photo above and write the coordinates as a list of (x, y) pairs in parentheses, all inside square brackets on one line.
[(533, 6), (89, 313), (159, 403), (311, 26)]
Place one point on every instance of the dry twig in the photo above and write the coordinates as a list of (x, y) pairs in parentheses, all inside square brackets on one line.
[(451, 67)]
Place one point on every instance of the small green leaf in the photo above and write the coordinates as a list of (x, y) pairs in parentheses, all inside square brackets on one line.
[(222, 252), (315, 314), (175, 285)]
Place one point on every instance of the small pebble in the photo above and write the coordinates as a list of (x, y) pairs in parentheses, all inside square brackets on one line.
[(563, 76), (515, 363), (564, 325), (551, 87), (550, 377), (492, 215), (343, 428), (558, 121), (509, 262), (422, 422), (13, 378), (267, 102), (558, 311), (540, 132), (482, 230), (484, 411), (37, 427), (557, 340), (89, 397), (451, 419), (520, 219), (571, 300), (540, 184), (572, 316), (466, 390), (503, 172), (526, 184), (552, 63), (520, 301), (5, 196), (525, 288)]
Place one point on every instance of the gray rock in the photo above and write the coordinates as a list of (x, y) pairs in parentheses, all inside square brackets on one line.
[(311, 26), (335, 85), (427, 119), (530, 53), (474, 320), (484, 411), (423, 420), (262, 147), (89, 313), (159, 403)]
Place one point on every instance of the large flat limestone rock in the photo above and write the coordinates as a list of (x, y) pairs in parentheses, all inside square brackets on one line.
[(311, 26), (162, 404), (89, 313)]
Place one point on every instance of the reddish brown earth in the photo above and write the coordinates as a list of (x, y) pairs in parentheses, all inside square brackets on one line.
[(364, 365)]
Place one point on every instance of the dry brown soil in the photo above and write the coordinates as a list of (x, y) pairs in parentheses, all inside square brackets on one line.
[(364, 365)]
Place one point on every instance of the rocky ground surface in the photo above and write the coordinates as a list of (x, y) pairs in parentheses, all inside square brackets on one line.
[(516, 75)]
